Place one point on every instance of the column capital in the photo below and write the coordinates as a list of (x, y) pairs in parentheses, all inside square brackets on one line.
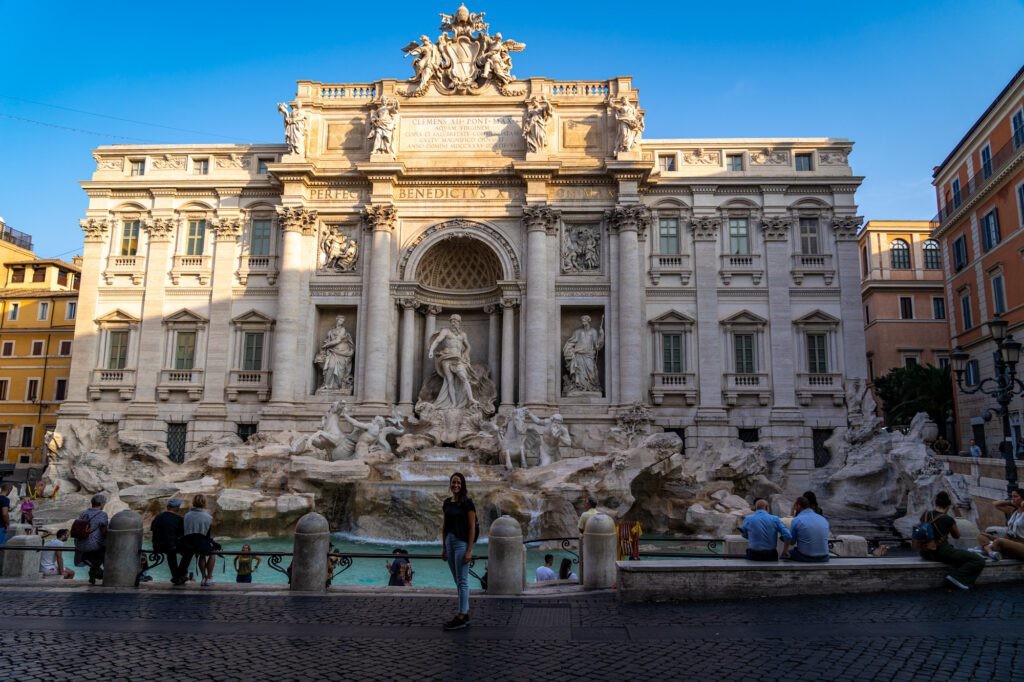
[(381, 217), (632, 218), (227, 229), (509, 303), (705, 228), (434, 310), (160, 229), (409, 303), (538, 217), (845, 227), (297, 219), (490, 309), (776, 228), (95, 228)]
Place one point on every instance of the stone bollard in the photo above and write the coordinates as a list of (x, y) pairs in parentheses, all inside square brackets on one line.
[(309, 559), (735, 545), (123, 560), (599, 548), (22, 564), (506, 557)]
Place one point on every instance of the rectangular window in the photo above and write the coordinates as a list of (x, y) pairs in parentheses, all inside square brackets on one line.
[(7, 350), (259, 245), (734, 162), (4, 384), (748, 435), (986, 162), (672, 353), (938, 308), (973, 373), (17, 275), (960, 253), (32, 390), (668, 235), (64, 348), (177, 436), (13, 313), (743, 345), (61, 390), (200, 166), (261, 166), (867, 314), (990, 229), (906, 308), (1018, 129), (809, 236), (184, 350), (137, 167), (62, 278), (27, 432), (196, 237), (43, 312), (37, 348), (130, 238), (956, 193), (1020, 203), (910, 361), (817, 354), (943, 363), (246, 430), (864, 261), (965, 311), (803, 162), (117, 357), (71, 311), (252, 351), (667, 162), (998, 295), (739, 236), (38, 274)]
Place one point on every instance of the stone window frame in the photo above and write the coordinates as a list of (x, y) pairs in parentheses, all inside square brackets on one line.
[(182, 218), (185, 320), (962, 294), (809, 156), (899, 254), (745, 322), (251, 321), (818, 322), (673, 156), (5, 388), (931, 254), (3, 349), (680, 213), (13, 311), (672, 322), (118, 320), (43, 311), (199, 165), (37, 343), (994, 273), (742, 155), (135, 163)]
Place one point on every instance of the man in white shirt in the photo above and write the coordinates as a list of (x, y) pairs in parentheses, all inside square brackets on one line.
[(50, 561), (545, 572)]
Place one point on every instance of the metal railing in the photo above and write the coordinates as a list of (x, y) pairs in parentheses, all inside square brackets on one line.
[(16, 237)]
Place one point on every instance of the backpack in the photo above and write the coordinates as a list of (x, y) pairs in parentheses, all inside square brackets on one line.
[(81, 529), (925, 536)]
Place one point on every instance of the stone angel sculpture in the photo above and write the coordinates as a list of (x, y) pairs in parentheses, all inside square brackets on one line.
[(495, 61), (535, 120), (294, 127), (383, 121), (427, 63), (630, 124)]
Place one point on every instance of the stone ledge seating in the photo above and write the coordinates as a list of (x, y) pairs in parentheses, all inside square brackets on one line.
[(701, 579)]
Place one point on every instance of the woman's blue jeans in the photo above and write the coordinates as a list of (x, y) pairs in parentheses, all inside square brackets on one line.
[(456, 551)]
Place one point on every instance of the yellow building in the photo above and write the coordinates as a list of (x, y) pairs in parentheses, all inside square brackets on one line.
[(14, 246), (38, 306)]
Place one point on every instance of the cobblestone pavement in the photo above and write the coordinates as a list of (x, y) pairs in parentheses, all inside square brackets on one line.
[(92, 634)]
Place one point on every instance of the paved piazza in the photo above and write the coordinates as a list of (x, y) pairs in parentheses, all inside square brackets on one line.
[(81, 634)]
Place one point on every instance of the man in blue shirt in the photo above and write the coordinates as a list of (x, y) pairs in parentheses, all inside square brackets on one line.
[(810, 535), (762, 531)]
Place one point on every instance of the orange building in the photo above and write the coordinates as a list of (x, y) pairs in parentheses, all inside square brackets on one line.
[(980, 192), (902, 288)]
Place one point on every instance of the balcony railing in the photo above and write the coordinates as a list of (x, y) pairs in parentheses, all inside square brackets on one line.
[(191, 265), (809, 385), (813, 264), (1007, 154), (187, 380), (132, 266), (120, 380), (249, 381), (258, 265), (673, 383), (16, 237), (741, 264), (754, 384), (670, 264)]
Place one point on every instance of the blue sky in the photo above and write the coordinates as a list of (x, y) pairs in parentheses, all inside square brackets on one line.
[(904, 80)]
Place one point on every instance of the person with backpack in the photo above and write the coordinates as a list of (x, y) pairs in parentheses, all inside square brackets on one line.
[(930, 538), (459, 530), (89, 531)]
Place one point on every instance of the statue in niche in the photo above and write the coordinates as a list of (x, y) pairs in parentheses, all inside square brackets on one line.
[(546, 437), (383, 121), (535, 123), (453, 366), (335, 358), (580, 354), (339, 250), (630, 124), (581, 249), (427, 63), (294, 127)]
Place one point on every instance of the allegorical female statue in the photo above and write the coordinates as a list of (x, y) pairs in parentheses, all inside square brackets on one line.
[(335, 358), (294, 127), (580, 354)]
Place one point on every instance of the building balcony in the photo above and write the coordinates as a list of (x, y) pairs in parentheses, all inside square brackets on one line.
[(196, 266), (813, 264), (258, 265), (130, 266), (810, 385), (120, 380), (1008, 155), (249, 381), (741, 264), (673, 384), (674, 264), (755, 385), (188, 381)]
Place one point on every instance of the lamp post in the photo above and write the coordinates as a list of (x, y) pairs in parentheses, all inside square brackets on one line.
[(1003, 387)]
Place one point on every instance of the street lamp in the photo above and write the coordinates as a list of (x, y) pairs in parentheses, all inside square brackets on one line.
[(1003, 387)]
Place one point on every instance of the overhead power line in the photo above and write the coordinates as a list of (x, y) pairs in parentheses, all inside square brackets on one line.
[(77, 130)]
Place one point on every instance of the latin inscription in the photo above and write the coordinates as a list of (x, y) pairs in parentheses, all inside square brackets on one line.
[(501, 134), (334, 194), (582, 193), (460, 193)]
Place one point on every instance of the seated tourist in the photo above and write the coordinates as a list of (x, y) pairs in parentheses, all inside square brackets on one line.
[(1012, 542), (50, 560), (762, 531), (565, 571), (545, 572), (967, 566), (810, 535)]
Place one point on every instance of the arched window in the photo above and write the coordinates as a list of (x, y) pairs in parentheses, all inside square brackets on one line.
[(932, 258), (899, 254)]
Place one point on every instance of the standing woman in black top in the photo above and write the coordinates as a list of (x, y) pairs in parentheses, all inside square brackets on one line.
[(458, 533)]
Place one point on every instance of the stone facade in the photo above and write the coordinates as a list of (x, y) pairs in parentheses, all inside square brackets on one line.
[(722, 274)]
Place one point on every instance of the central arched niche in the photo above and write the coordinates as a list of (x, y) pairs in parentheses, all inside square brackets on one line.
[(459, 264)]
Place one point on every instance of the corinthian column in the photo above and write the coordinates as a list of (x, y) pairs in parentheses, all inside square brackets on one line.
[(382, 220), (508, 358), (151, 331), (493, 364), (227, 231), (294, 223), (778, 253), (429, 327), (87, 339), (630, 221), (539, 219), (845, 229), (409, 306)]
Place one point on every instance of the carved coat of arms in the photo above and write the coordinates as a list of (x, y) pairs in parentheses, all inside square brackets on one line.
[(464, 58)]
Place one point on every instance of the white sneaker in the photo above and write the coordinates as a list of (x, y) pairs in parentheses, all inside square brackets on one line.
[(994, 556), (956, 583)]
